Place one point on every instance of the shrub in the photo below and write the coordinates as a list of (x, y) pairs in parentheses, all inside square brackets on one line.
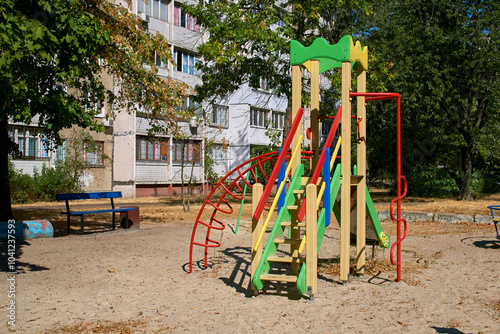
[(42, 186), (484, 184), (432, 181)]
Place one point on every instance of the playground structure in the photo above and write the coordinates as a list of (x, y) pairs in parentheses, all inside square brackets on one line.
[(305, 207)]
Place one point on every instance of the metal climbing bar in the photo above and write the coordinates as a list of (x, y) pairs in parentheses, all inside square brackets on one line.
[(401, 223)]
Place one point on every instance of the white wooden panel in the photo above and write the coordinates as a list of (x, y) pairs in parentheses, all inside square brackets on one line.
[(151, 172), (26, 166), (176, 173)]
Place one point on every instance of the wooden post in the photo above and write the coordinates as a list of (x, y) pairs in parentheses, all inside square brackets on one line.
[(257, 191), (311, 241), (314, 112), (345, 200), (296, 104), (361, 164)]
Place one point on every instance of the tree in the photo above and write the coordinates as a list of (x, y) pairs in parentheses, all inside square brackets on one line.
[(54, 56), (249, 40), (442, 56)]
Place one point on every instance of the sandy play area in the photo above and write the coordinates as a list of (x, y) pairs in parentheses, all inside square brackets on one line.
[(136, 281)]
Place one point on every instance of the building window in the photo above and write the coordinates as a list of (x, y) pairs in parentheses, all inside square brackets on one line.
[(220, 116), (93, 154), (258, 117), (185, 61), (151, 150), (96, 108), (218, 153), (186, 151), (155, 8), (30, 145), (159, 62), (181, 18), (278, 119)]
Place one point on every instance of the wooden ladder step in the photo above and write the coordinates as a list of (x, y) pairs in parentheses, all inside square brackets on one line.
[(299, 224), (292, 207), (298, 191), (278, 278), (307, 180), (285, 259), (287, 241)]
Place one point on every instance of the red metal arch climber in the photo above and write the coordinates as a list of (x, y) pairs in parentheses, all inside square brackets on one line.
[(237, 177)]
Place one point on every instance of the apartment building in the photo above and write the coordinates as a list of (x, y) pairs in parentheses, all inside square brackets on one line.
[(141, 167)]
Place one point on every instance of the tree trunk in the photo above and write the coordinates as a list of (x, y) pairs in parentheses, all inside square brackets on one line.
[(182, 177), (5, 206), (467, 170)]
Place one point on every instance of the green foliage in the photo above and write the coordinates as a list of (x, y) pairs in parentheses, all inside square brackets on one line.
[(485, 184), (42, 186), (431, 181), (55, 57), (442, 56), (249, 40), (211, 177)]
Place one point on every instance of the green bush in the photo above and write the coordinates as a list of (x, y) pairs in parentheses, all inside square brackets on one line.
[(42, 186), (484, 184), (432, 181)]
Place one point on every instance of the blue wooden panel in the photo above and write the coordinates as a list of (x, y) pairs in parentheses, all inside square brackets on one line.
[(94, 195), (79, 213)]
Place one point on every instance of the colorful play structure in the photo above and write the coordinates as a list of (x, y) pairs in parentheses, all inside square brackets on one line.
[(304, 204)]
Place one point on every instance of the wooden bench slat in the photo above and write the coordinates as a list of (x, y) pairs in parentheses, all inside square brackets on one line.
[(79, 213), (93, 195)]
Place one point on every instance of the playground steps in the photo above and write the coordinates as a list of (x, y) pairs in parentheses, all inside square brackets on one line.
[(307, 180), (288, 241), (285, 259), (290, 268), (278, 238), (293, 224), (279, 278)]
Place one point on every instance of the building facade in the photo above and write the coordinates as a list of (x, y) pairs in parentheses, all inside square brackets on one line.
[(139, 166)]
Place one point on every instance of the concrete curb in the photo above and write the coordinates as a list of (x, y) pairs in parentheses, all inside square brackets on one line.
[(448, 218)]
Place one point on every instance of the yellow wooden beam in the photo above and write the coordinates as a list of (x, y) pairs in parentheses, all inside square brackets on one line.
[(257, 191), (345, 201), (314, 112), (312, 235), (361, 170), (296, 104)]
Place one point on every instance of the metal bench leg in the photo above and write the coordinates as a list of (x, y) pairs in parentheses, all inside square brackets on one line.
[(81, 224), (68, 227), (496, 228), (113, 221), (126, 220)]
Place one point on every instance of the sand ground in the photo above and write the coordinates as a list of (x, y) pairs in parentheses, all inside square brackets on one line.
[(136, 281)]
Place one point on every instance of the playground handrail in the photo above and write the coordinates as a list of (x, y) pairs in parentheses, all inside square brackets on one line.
[(276, 198), (279, 162), (319, 165)]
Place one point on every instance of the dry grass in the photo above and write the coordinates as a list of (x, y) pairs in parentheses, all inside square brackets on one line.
[(160, 210), (99, 327), (475, 207)]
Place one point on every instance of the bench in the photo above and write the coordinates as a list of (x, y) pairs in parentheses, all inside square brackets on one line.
[(92, 195), (496, 220)]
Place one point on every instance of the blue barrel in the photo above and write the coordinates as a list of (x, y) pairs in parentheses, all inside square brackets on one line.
[(27, 229)]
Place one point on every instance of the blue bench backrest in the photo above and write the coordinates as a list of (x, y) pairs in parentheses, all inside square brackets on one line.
[(102, 194)]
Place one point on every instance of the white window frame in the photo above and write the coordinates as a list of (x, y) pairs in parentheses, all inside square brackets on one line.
[(259, 117), (220, 116)]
